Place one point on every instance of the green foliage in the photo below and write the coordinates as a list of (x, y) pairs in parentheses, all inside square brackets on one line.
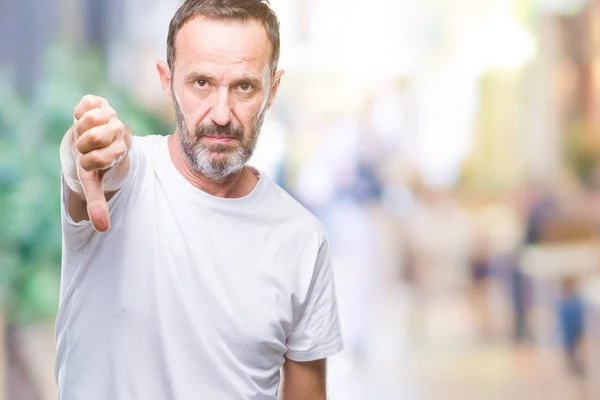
[(582, 149), (30, 134)]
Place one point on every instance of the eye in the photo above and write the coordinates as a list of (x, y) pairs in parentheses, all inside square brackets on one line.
[(201, 83), (245, 87)]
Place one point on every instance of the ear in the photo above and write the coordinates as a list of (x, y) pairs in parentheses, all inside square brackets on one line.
[(275, 87), (164, 73)]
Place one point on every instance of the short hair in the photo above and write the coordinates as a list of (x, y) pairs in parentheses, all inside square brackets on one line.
[(226, 10)]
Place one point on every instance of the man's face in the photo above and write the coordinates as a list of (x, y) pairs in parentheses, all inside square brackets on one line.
[(221, 86)]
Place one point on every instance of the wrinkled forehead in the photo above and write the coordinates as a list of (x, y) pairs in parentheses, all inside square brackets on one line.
[(227, 47)]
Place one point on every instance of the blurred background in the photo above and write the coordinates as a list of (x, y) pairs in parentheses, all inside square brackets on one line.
[(451, 148)]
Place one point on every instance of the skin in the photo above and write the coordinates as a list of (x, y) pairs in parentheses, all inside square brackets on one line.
[(221, 77), (303, 380)]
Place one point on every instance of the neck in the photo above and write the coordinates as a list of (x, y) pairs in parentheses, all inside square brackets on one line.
[(237, 185)]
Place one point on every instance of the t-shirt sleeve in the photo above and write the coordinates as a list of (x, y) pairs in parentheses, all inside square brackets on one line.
[(77, 234), (316, 333)]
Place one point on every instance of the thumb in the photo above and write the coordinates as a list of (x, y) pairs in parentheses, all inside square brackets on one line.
[(97, 208)]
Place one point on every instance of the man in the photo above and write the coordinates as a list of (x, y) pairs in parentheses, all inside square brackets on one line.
[(187, 274)]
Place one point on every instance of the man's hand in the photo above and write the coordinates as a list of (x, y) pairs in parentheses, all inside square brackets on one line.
[(101, 143)]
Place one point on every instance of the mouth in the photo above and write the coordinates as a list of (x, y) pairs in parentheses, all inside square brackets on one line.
[(219, 139)]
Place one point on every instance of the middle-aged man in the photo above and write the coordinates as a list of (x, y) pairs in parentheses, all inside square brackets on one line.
[(186, 273)]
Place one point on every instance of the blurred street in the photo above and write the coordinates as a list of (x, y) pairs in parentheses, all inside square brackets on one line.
[(435, 352)]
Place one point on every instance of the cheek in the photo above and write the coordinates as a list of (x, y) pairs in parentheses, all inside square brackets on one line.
[(247, 114), (193, 109)]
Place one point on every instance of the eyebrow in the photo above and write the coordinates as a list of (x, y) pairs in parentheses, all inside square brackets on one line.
[(197, 76)]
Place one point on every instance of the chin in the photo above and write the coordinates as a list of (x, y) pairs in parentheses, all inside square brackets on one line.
[(219, 158), (218, 166)]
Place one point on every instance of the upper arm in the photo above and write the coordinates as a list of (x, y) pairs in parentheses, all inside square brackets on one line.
[(316, 332), (314, 337), (303, 380)]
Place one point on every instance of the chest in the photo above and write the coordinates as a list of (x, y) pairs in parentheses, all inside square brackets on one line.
[(210, 278)]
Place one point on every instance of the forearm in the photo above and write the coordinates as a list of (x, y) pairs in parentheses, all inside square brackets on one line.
[(288, 395), (303, 380)]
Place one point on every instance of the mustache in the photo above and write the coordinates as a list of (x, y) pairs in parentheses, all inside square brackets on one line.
[(236, 132)]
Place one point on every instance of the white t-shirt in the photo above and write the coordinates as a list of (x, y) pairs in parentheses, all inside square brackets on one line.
[(191, 296)]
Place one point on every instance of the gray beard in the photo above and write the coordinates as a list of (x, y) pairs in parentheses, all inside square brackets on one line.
[(219, 162)]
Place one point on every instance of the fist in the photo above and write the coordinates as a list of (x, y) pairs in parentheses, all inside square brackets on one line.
[(101, 138), (101, 142)]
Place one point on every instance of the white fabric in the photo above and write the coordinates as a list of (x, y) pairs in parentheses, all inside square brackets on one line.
[(68, 162), (190, 296)]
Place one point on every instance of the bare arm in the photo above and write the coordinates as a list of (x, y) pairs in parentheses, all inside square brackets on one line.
[(304, 380)]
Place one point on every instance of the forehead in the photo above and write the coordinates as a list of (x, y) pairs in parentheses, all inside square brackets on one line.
[(223, 45)]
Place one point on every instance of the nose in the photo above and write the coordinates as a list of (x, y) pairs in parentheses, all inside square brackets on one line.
[(221, 113)]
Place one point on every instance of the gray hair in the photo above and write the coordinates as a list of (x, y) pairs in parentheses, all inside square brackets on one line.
[(226, 10)]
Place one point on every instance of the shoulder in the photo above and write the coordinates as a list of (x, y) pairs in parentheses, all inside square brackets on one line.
[(151, 149), (286, 209), (150, 143)]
